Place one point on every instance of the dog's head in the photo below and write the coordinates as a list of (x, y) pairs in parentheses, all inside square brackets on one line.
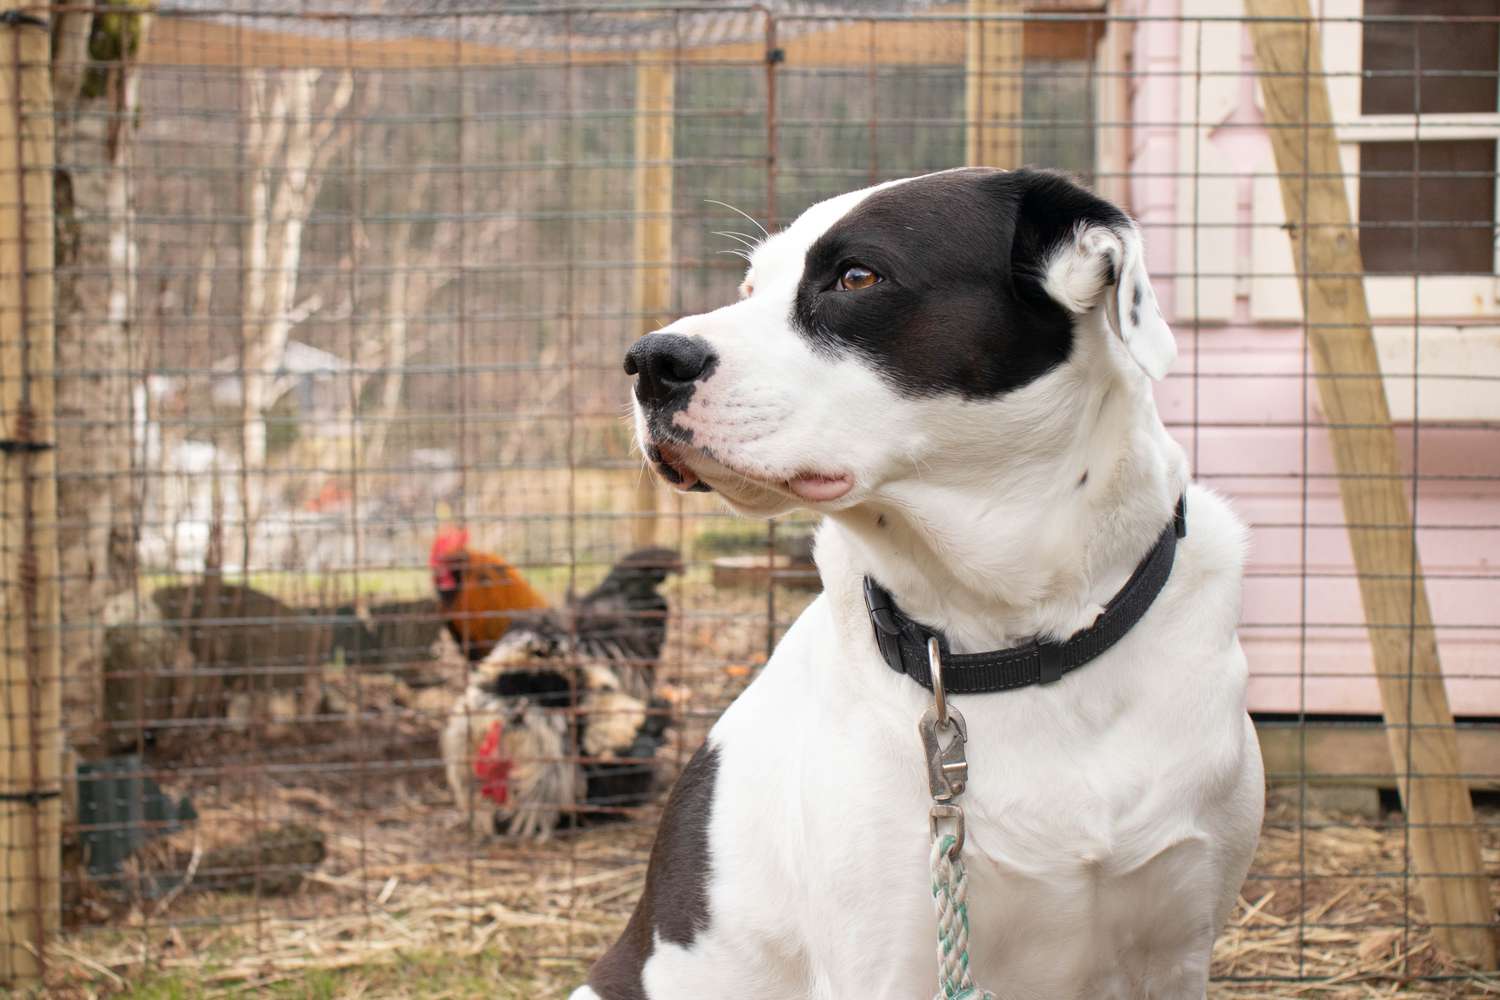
[(890, 334)]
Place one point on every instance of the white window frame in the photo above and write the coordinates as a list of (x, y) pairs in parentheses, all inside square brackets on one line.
[(1395, 296)]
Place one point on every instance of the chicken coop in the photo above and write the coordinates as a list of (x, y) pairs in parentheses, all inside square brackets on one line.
[(312, 315)]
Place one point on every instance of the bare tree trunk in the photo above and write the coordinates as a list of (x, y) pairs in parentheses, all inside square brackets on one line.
[(96, 273), (393, 349), (411, 285), (289, 139)]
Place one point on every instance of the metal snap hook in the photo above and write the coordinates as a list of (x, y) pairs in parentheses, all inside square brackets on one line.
[(947, 766), (935, 670)]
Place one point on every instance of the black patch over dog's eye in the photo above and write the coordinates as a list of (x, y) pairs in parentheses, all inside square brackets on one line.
[(857, 276), (951, 268)]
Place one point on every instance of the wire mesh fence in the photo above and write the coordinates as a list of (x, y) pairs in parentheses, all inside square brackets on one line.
[(310, 347)]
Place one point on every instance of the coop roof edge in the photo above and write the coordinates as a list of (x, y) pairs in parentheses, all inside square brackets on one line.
[(552, 27)]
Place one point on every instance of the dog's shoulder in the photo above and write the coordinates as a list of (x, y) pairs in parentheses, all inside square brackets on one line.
[(722, 787), (674, 904)]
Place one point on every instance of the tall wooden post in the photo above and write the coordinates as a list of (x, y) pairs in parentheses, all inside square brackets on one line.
[(1325, 245), (992, 86), (655, 94), (30, 688)]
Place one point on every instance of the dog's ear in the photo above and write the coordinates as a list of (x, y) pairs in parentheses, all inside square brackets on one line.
[(1086, 253)]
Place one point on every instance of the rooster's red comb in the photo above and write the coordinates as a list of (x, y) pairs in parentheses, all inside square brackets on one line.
[(448, 541)]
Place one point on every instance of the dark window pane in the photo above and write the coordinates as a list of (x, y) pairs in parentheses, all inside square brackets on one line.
[(1457, 60), (1455, 203), (1057, 100)]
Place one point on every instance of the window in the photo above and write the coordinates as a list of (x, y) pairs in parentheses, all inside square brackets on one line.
[(1414, 89), (1429, 68), (1428, 124), (1427, 207)]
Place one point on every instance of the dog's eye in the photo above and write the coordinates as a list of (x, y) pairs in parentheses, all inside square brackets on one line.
[(857, 276)]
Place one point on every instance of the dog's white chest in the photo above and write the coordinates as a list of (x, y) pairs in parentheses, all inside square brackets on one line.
[(1104, 827), (1079, 878)]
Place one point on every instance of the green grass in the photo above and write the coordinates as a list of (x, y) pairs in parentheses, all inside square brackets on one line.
[(306, 588), (312, 588), (735, 537), (419, 975)]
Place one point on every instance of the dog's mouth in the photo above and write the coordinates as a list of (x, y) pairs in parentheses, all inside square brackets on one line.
[(669, 464), (675, 464)]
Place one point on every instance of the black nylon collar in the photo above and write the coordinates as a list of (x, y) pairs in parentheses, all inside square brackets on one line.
[(903, 642)]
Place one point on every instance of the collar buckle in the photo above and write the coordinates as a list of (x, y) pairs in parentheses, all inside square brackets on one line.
[(878, 603), (1049, 661), (885, 624)]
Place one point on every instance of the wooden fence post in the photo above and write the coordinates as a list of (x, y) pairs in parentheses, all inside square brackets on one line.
[(1325, 245), (655, 94), (992, 86), (30, 687)]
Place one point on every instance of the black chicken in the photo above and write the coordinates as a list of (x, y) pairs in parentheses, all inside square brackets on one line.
[(624, 619)]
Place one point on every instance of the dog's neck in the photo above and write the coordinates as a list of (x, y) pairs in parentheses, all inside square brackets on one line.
[(996, 550)]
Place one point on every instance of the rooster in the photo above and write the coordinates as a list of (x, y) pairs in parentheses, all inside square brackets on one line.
[(542, 734), (513, 752), (561, 714), (479, 593), (624, 619)]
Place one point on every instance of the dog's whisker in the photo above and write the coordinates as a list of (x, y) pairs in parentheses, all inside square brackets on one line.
[(738, 238), (736, 211), (747, 238)]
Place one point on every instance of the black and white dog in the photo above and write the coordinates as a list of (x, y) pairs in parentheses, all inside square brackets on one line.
[(955, 369)]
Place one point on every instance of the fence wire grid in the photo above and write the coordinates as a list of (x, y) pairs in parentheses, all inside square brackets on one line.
[(313, 308)]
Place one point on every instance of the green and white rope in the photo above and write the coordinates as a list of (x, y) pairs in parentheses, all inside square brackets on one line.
[(950, 895)]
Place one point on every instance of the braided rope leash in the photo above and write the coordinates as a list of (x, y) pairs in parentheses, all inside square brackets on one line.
[(950, 894), (947, 775)]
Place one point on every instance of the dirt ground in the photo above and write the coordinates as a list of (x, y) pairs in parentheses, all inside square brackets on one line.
[(407, 902)]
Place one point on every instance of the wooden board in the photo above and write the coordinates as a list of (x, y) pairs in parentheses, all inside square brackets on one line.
[(1423, 745), (757, 572), (805, 43), (30, 687), (993, 64), (1358, 753), (655, 109)]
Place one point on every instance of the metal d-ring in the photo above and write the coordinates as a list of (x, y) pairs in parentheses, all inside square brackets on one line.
[(935, 670)]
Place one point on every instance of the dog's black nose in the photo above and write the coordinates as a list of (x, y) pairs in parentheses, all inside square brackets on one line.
[(666, 365)]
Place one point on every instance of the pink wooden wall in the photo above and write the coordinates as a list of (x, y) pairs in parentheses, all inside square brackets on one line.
[(1236, 402)]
